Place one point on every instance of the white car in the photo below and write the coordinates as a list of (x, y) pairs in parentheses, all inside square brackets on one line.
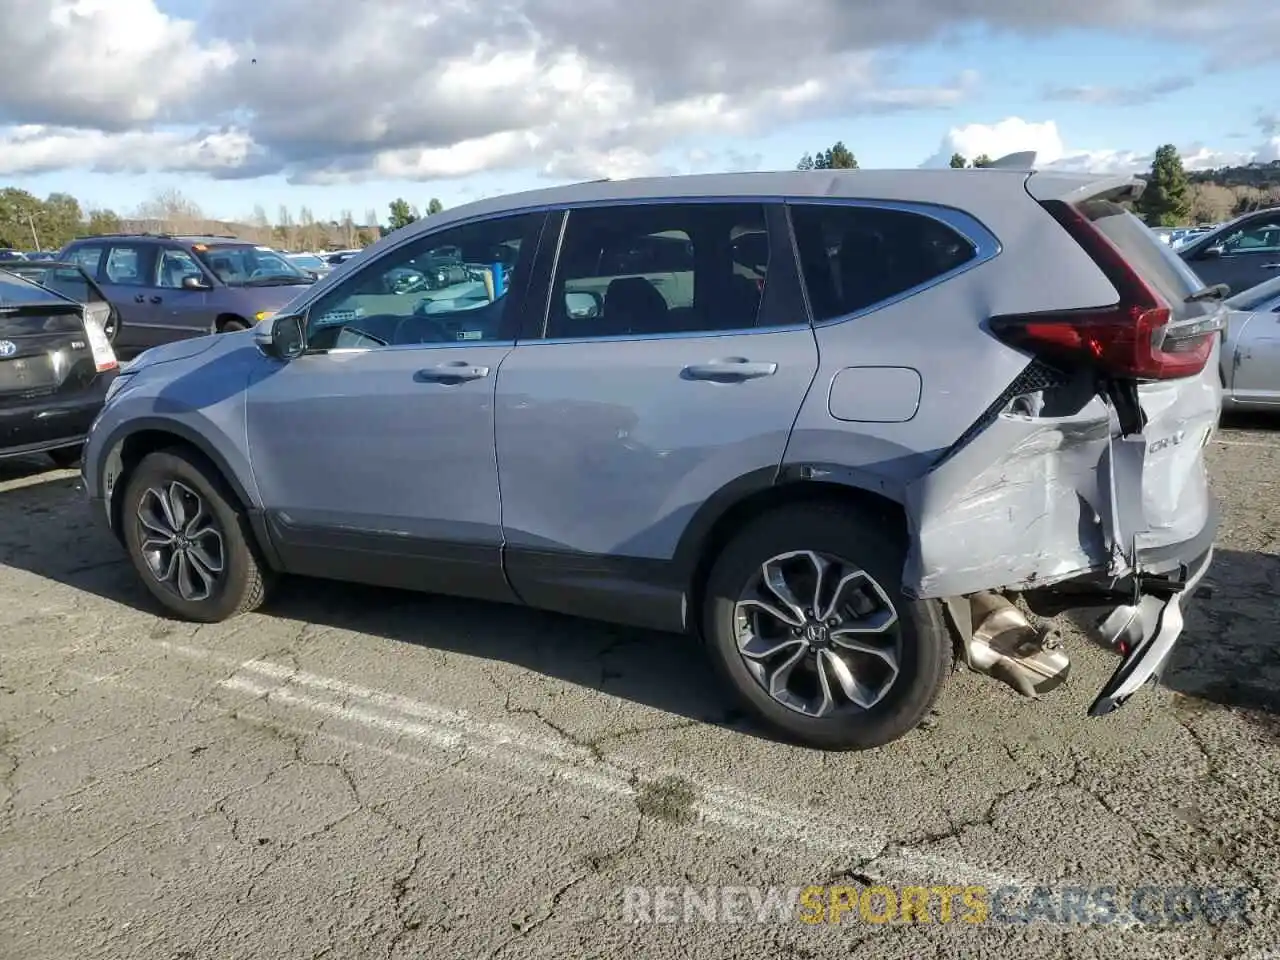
[(1250, 357)]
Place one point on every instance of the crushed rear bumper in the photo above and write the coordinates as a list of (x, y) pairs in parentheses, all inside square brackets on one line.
[(1146, 631)]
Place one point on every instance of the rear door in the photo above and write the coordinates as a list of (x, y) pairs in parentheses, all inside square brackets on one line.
[(639, 395), (125, 275), (1166, 459), (1256, 364)]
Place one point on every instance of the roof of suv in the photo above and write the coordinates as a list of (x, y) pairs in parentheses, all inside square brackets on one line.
[(209, 240), (946, 186)]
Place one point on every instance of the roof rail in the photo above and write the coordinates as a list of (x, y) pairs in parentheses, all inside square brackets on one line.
[(124, 233)]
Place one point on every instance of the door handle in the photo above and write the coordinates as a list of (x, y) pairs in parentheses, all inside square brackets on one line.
[(157, 299), (729, 370), (139, 298), (459, 371), (1271, 266)]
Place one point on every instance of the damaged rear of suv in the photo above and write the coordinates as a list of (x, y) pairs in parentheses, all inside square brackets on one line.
[(1084, 484)]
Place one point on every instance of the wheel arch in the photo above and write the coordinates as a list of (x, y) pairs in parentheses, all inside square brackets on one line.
[(737, 503), (220, 322), (139, 437)]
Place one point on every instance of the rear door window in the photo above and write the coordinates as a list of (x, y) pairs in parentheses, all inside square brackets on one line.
[(854, 257), (127, 265)]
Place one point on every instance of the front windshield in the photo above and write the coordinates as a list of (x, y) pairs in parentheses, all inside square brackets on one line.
[(245, 265)]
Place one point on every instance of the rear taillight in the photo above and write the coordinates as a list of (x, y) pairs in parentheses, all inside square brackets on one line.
[(1134, 339), (104, 358)]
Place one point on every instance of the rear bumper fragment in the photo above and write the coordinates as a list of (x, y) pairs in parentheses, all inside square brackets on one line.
[(1147, 630)]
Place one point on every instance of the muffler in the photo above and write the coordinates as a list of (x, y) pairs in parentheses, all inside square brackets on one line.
[(1002, 643)]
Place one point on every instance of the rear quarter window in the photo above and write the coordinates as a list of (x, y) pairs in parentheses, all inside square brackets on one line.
[(853, 257)]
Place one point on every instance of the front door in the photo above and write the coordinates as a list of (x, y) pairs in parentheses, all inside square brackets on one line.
[(182, 313), (1256, 376), (1247, 257), (373, 452), (637, 401)]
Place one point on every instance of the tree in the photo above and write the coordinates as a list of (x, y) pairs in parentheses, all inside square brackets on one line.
[(170, 210), (103, 221), (958, 162), (434, 206), (835, 157), (284, 232), (1165, 201), (982, 160), (371, 225), (401, 214)]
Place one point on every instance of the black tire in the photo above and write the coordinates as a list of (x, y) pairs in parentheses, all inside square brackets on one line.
[(244, 580), (232, 326), (67, 457), (925, 653)]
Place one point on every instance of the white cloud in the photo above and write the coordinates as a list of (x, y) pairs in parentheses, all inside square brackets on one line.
[(334, 90), (1014, 135)]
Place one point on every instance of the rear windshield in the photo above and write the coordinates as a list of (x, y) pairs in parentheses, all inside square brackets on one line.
[(1255, 297), (1156, 262), (68, 281), (16, 290)]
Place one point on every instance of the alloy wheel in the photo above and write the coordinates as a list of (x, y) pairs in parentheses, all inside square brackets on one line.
[(180, 540), (818, 633)]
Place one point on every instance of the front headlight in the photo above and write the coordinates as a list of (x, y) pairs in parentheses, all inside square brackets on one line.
[(116, 385)]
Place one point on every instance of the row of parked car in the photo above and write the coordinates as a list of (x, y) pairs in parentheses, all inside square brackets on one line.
[(742, 406)]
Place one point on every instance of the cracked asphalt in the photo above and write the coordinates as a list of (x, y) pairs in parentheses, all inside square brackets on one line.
[(363, 773)]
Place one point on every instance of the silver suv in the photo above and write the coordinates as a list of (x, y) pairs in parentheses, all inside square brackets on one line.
[(830, 423)]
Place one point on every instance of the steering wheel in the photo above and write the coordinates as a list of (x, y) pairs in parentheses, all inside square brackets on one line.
[(423, 329)]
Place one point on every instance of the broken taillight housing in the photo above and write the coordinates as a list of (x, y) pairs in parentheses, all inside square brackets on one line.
[(1135, 338)]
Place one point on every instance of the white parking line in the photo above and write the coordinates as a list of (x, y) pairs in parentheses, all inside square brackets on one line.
[(553, 759)]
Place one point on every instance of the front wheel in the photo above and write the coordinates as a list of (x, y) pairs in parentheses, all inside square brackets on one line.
[(806, 620), (188, 539), (232, 326)]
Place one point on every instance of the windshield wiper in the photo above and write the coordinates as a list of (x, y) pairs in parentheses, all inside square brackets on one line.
[(1219, 291)]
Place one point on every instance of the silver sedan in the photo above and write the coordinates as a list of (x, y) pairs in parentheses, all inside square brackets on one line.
[(1251, 349)]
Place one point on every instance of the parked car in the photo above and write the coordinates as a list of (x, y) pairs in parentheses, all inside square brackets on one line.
[(804, 472), (69, 279), (8, 253), (338, 257), (56, 366), (311, 263), (170, 288), (42, 254), (1251, 348), (1241, 254)]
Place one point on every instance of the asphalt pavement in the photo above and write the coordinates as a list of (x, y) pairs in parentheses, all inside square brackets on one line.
[(364, 773)]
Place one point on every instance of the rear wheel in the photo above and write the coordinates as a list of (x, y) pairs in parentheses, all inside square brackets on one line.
[(806, 619), (188, 539)]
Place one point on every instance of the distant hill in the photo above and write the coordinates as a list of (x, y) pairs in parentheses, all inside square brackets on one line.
[(1261, 176)]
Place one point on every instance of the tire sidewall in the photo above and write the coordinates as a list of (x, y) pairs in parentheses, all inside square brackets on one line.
[(856, 536), (157, 469)]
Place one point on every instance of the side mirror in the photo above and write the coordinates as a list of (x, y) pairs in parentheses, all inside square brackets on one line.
[(1210, 253), (195, 283), (583, 305), (282, 337)]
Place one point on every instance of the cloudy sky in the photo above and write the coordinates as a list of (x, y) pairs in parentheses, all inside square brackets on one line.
[(346, 104)]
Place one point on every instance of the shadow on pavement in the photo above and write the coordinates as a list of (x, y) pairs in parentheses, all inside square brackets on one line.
[(1226, 658)]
